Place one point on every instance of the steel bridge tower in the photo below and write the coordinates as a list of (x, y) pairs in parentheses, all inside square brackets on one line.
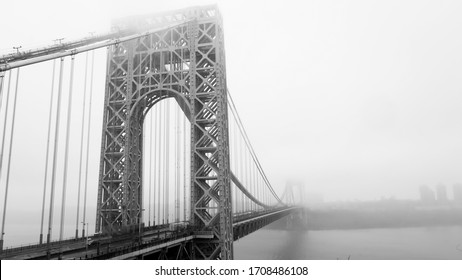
[(185, 62)]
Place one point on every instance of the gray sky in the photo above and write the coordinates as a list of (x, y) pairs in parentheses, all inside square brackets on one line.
[(359, 99)]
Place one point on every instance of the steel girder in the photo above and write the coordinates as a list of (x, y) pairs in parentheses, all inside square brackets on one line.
[(186, 62)]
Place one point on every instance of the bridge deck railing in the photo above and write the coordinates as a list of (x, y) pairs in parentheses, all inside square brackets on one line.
[(30, 246)]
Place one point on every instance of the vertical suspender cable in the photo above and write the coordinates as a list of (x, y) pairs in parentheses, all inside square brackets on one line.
[(159, 157), (88, 143), (248, 180), (184, 169), (2, 77), (251, 178), (144, 164), (167, 153), (178, 160), (259, 188), (154, 169), (47, 152), (235, 156), (265, 192), (9, 157), (145, 167), (262, 188), (4, 122), (254, 186), (249, 175), (232, 158), (245, 179), (255, 189), (251, 184), (232, 164), (55, 153), (164, 160), (175, 212), (81, 147), (231, 161), (164, 156), (177, 163), (150, 169), (66, 152), (243, 162), (241, 169), (246, 202), (249, 145)]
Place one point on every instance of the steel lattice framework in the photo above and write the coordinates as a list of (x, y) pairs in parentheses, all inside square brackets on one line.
[(187, 63)]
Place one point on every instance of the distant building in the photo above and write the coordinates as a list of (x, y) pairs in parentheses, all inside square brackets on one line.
[(441, 193), (427, 195), (457, 192), (314, 199)]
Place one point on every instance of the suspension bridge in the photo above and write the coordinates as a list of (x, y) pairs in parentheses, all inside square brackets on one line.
[(178, 176)]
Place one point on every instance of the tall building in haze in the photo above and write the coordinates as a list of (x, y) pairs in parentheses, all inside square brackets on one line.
[(457, 192), (441, 193), (427, 195)]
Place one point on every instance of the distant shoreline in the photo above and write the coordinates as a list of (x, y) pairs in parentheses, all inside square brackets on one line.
[(345, 219)]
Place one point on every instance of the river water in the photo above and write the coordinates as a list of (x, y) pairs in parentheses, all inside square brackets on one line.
[(360, 244)]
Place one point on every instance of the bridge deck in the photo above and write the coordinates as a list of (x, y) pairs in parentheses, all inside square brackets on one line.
[(152, 239)]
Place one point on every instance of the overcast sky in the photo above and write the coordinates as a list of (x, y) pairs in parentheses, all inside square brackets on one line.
[(358, 99)]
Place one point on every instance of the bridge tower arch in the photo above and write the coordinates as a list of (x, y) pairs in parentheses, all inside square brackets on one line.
[(187, 62), (298, 219)]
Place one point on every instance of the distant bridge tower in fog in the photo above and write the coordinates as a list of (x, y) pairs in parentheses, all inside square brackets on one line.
[(297, 196)]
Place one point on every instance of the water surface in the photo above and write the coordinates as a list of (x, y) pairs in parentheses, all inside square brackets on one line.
[(364, 244)]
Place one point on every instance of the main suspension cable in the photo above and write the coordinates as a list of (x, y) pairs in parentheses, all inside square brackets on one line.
[(249, 146)]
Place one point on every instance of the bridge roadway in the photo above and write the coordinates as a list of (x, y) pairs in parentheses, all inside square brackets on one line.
[(155, 242)]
